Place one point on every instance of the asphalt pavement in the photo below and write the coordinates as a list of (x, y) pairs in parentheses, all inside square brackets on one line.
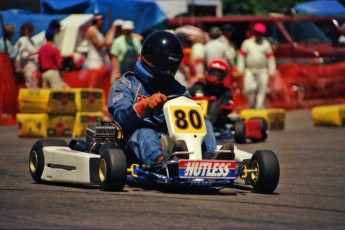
[(310, 194)]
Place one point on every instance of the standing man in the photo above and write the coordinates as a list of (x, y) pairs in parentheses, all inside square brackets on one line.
[(50, 62), (97, 55), (216, 48), (125, 50), (256, 61)]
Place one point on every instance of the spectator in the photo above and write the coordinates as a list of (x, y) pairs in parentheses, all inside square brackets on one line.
[(118, 27), (118, 30), (216, 48), (183, 72), (256, 61), (50, 62), (7, 42), (97, 55), (56, 26), (135, 95), (125, 50), (26, 60), (198, 57), (228, 31)]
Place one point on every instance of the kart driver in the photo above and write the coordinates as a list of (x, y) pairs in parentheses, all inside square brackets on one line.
[(136, 94), (212, 87)]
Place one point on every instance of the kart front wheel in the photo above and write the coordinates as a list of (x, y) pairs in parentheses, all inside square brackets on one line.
[(36, 158), (113, 170), (266, 173)]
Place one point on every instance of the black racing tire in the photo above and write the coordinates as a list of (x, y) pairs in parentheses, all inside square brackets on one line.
[(36, 157), (240, 135), (108, 145), (112, 170), (263, 130), (266, 177)]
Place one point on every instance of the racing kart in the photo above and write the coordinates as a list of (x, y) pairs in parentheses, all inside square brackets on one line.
[(232, 127), (101, 160)]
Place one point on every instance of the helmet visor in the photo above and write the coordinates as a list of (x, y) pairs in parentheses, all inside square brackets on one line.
[(217, 74), (169, 65)]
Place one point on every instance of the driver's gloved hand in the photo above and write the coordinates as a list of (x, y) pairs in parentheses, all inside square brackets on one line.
[(156, 101), (144, 106)]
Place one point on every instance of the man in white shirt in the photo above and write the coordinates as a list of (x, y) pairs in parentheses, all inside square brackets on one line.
[(216, 48), (257, 62)]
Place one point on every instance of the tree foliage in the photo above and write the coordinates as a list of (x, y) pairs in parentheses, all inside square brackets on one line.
[(257, 7)]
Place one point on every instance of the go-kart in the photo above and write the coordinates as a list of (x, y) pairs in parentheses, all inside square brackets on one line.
[(101, 160), (232, 127)]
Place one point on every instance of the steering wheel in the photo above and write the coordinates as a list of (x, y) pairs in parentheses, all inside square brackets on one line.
[(162, 122)]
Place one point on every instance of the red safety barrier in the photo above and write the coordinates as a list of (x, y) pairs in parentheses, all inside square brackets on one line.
[(294, 86), (8, 92), (93, 78), (300, 86)]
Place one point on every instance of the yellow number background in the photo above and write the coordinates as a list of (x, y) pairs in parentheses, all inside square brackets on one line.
[(204, 105), (190, 128)]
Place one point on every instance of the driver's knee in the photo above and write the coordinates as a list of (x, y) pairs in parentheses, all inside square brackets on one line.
[(145, 145)]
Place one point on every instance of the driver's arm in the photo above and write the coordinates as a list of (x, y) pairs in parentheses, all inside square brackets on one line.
[(121, 105)]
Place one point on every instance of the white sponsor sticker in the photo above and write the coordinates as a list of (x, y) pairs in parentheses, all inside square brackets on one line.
[(117, 97)]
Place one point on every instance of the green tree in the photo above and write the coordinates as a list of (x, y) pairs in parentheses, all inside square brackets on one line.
[(257, 7)]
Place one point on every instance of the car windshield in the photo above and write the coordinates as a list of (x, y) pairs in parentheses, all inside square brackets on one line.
[(305, 32)]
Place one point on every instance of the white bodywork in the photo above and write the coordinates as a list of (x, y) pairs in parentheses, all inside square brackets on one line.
[(241, 155), (192, 139), (72, 34), (195, 137), (62, 164)]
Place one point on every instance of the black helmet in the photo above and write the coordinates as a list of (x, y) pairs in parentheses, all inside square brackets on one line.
[(162, 54)]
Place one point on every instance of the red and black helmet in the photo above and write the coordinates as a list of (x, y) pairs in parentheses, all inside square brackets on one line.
[(217, 71)]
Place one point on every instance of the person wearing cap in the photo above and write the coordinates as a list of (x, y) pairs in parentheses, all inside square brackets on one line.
[(117, 24), (50, 62), (257, 63), (125, 50), (55, 25), (97, 54)]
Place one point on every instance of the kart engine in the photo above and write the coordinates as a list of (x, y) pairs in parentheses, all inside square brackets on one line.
[(101, 132)]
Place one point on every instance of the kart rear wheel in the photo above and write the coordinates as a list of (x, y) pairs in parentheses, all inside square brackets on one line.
[(36, 157), (266, 176), (240, 132), (112, 170), (263, 130)]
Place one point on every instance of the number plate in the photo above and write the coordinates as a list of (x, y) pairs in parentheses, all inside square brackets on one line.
[(217, 169), (187, 119), (204, 105)]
